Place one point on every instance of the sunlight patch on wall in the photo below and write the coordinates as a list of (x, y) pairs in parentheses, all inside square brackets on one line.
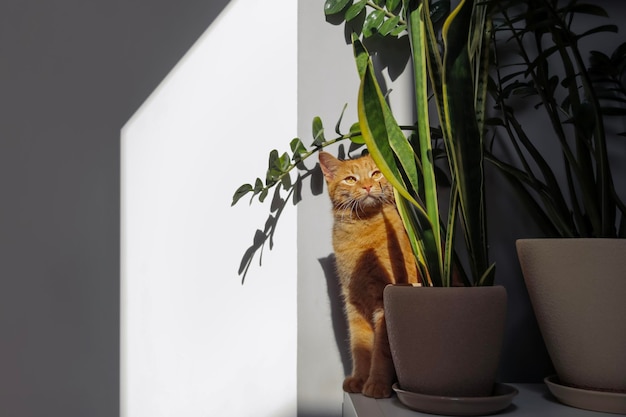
[(195, 342)]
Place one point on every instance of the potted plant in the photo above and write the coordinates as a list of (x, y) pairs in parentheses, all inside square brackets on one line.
[(457, 76), (447, 233), (575, 272)]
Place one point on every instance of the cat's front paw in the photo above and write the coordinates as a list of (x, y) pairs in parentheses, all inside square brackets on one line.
[(376, 389), (353, 384)]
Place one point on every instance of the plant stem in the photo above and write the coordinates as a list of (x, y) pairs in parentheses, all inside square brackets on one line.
[(385, 11), (302, 157)]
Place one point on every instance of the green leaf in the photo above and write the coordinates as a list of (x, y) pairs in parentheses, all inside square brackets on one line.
[(372, 23), (355, 10), (398, 30), (297, 148), (241, 191), (283, 163), (273, 173), (450, 233), (335, 6), (488, 276), (420, 28), (381, 133), (355, 134), (273, 156), (361, 56), (391, 5), (418, 239), (258, 186), (545, 215), (389, 25), (464, 138), (318, 131), (379, 128)]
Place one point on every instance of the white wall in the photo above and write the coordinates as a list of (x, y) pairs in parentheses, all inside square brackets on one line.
[(194, 341)]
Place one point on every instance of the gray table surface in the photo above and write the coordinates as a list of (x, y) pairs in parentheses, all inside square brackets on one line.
[(533, 400)]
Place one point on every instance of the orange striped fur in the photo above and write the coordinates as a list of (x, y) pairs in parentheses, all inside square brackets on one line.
[(372, 250)]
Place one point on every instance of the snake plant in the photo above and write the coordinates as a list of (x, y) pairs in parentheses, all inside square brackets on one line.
[(455, 73), (577, 196), (450, 56)]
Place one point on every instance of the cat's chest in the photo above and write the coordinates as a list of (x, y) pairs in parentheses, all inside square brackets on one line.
[(358, 236)]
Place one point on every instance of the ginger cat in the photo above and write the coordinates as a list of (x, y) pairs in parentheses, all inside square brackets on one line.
[(372, 250)]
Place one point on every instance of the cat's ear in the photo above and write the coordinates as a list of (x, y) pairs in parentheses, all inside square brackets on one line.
[(329, 165)]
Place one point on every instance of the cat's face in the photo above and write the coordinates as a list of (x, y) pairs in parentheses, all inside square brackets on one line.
[(355, 185)]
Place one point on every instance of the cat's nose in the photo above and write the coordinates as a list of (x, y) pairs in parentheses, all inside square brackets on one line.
[(367, 188)]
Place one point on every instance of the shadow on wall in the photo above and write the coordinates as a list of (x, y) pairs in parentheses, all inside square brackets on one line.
[(73, 73), (337, 314), (282, 195)]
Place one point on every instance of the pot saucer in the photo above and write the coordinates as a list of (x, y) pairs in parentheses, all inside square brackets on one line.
[(458, 406), (604, 401)]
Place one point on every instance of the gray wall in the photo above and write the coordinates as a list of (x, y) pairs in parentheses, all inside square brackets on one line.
[(71, 73), (327, 80)]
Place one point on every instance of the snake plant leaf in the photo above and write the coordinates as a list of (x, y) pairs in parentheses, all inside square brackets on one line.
[(554, 194), (361, 56), (481, 31), (449, 236), (551, 225), (433, 57), (488, 276), (335, 6), (464, 141), (421, 240), (418, 26), (438, 10), (382, 134)]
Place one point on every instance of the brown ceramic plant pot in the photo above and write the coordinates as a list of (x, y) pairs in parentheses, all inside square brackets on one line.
[(446, 341), (577, 288)]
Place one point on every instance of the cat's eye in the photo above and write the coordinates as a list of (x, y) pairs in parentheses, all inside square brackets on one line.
[(350, 180), (377, 175)]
